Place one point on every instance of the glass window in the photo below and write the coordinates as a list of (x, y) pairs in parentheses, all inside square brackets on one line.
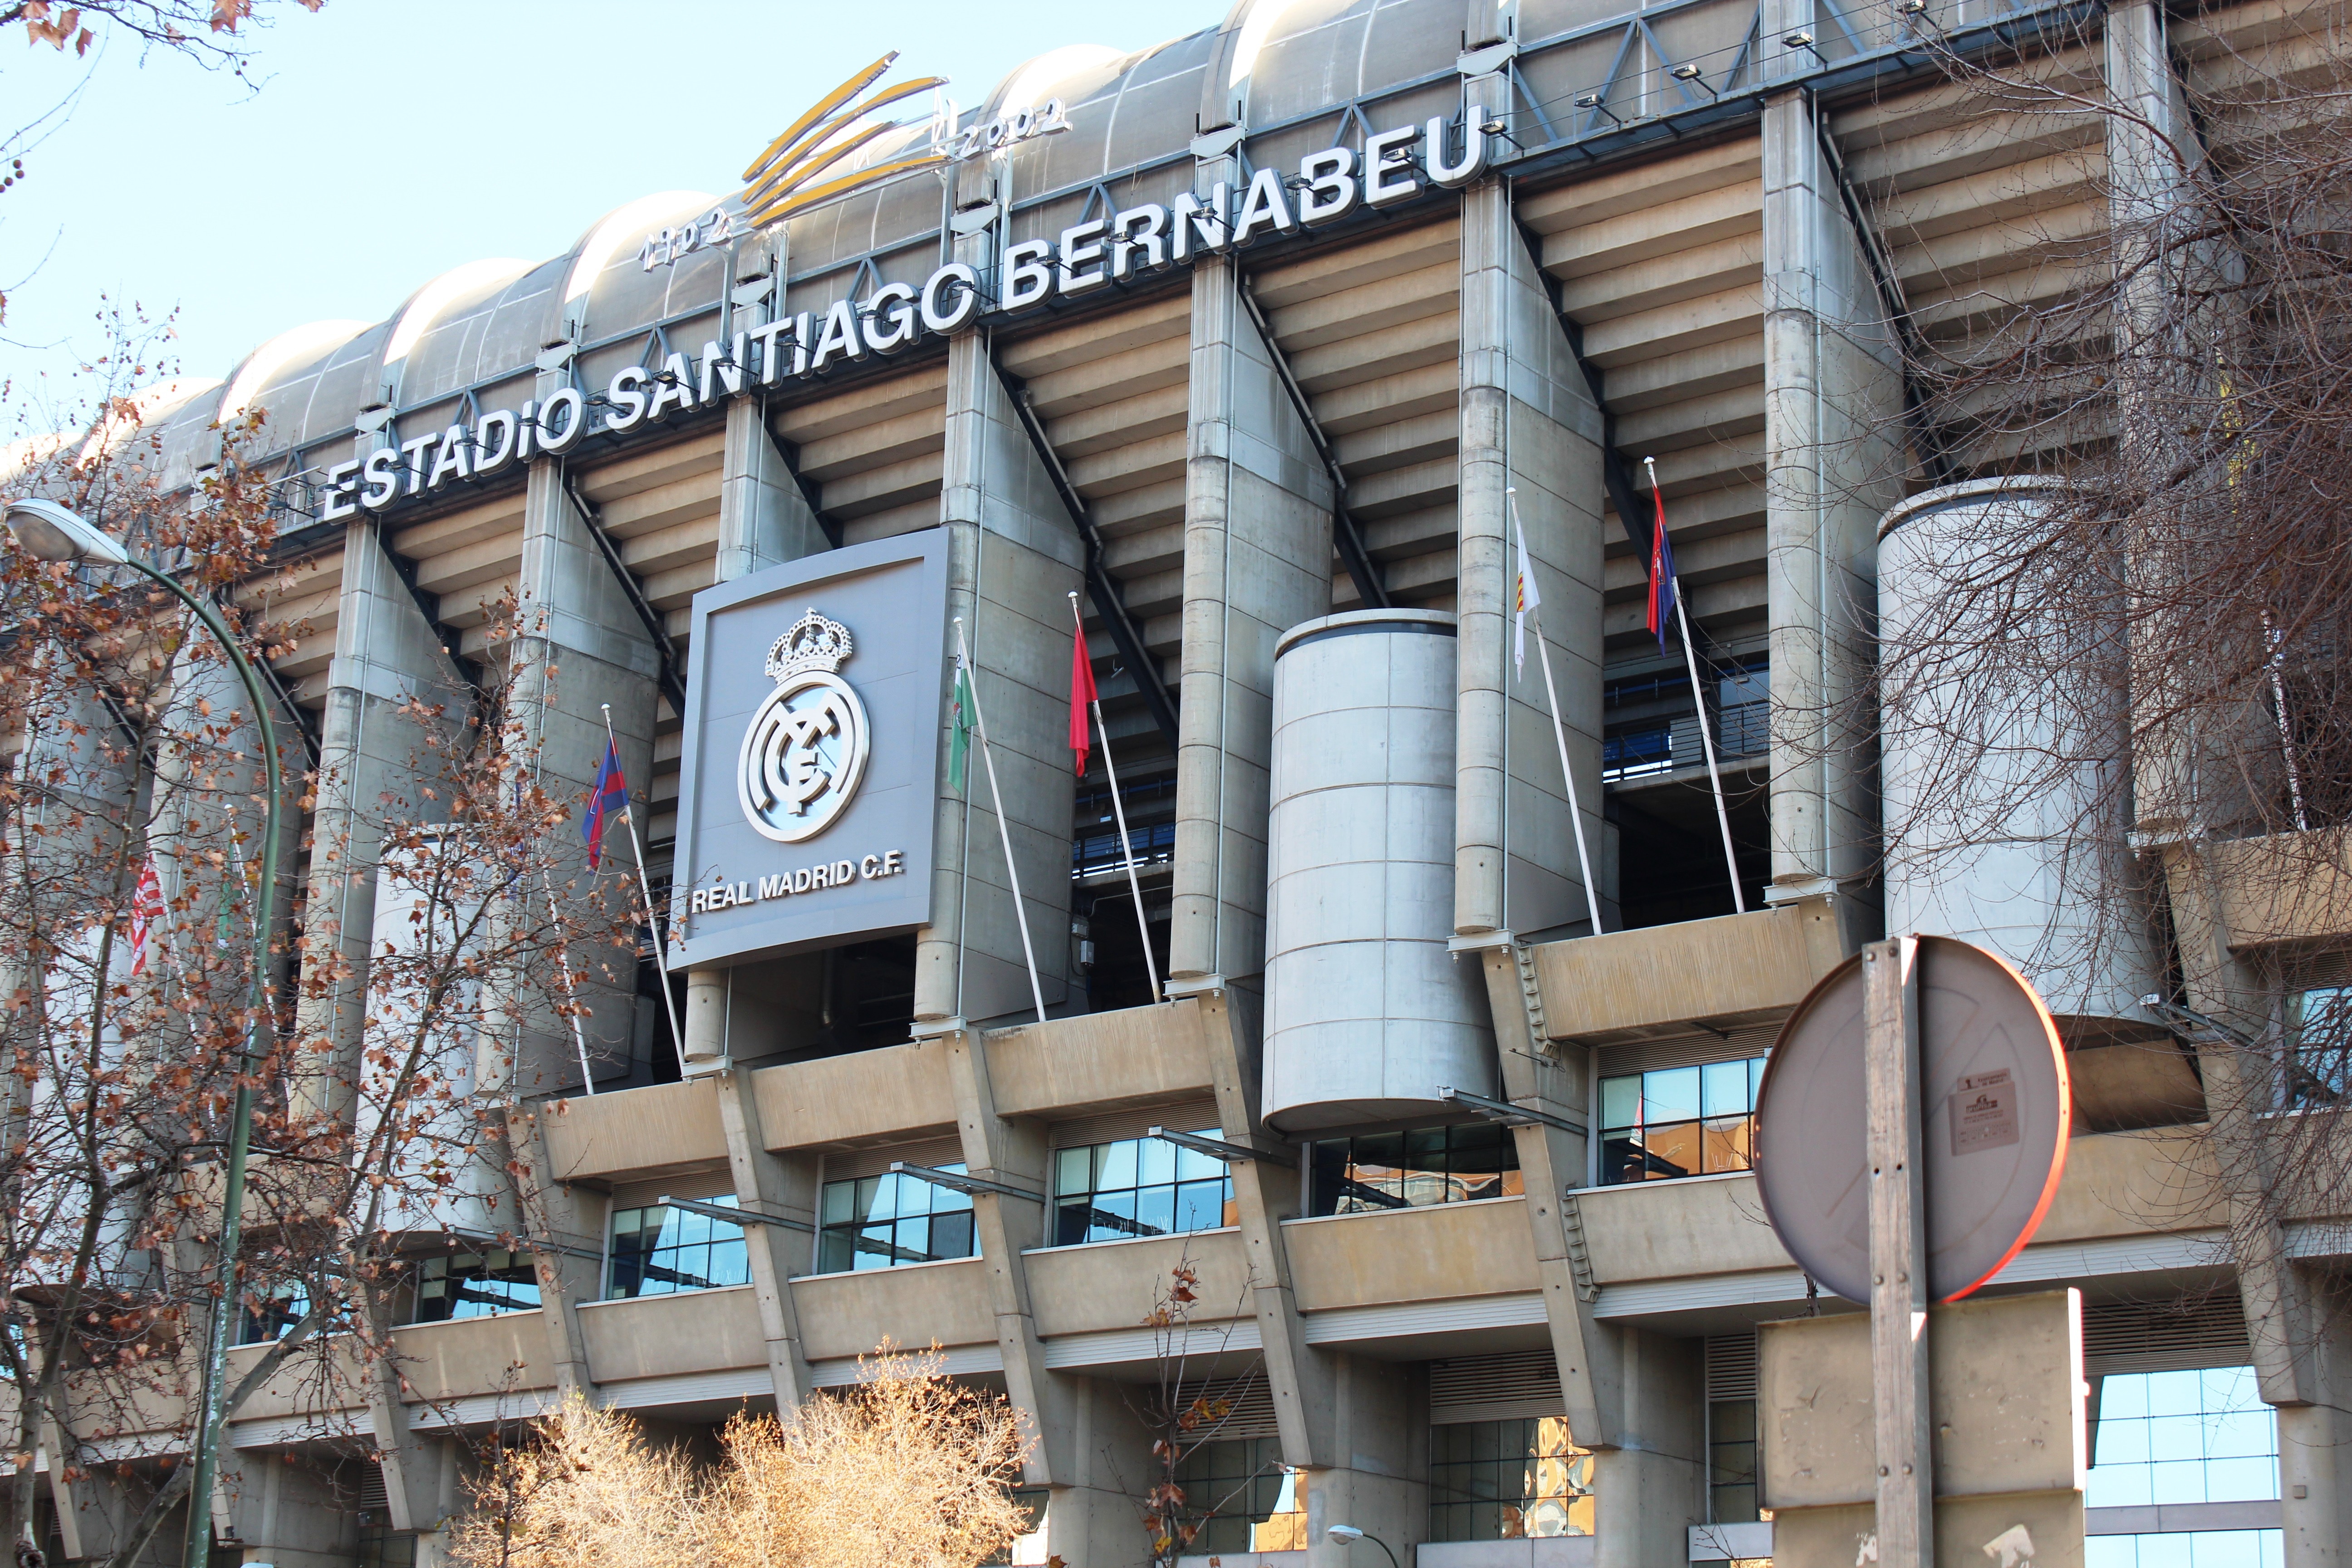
[(2183, 1437), (1414, 1169), (1731, 1461), (474, 1285), (1138, 1186), (380, 1547), (880, 1221), (266, 1317), (1679, 1121), (2319, 1032), (1254, 1503), (1502, 1480), (2188, 1548), (659, 1250)]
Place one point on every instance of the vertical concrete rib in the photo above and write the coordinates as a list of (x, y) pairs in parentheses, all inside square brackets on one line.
[(386, 654), (1257, 560), (1528, 423), (1833, 406), (1013, 558)]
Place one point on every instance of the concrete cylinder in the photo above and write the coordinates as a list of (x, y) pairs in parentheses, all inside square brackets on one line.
[(2003, 760), (1368, 1015)]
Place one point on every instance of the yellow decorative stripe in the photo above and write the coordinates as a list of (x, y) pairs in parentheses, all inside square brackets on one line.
[(825, 106), (798, 201)]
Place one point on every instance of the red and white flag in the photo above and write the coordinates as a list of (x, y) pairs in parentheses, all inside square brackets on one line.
[(1081, 692), (146, 910)]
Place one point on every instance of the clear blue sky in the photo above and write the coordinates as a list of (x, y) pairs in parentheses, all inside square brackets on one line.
[(390, 140)]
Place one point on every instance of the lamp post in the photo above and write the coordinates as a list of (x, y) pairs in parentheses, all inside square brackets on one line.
[(50, 532), (1348, 1535)]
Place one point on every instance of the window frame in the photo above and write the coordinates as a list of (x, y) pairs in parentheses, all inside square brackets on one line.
[(956, 1203), (1098, 1153), (1311, 1188), (1597, 1147), (612, 1249)]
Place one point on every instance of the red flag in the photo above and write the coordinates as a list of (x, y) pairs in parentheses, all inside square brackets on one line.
[(146, 909), (1082, 691)]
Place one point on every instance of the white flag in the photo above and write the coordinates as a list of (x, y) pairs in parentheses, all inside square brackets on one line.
[(1524, 598)]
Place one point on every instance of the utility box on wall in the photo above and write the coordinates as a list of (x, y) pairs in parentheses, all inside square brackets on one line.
[(2007, 1405)]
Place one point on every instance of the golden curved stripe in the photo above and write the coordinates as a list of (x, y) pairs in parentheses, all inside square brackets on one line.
[(800, 201), (795, 164), (823, 107), (784, 180)]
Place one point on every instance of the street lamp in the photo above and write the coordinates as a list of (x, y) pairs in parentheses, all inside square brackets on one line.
[(1348, 1535), (48, 531)]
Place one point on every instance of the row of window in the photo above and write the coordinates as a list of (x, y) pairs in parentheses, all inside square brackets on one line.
[(1681, 1122)]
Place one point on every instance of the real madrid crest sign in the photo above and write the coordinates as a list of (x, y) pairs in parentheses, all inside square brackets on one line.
[(810, 775), (804, 750)]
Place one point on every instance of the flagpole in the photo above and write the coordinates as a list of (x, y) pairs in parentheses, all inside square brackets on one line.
[(1698, 695), (1560, 734), (1011, 872), (644, 886), (1118, 809), (564, 967)]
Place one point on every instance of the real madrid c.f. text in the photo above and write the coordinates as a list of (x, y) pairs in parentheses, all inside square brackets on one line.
[(810, 774)]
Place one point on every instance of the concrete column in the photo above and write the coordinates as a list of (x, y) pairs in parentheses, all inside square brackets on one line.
[(386, 655), (763, 519), (1090, 1517), (1014, 1153), (1528, 423), (1383, 1487), (579, 645), (1832, 418), (566, 1232), (1651, 1488), (1257, 560), (1552, 1161), (2314, 1473), (1265, 1193), (1013, 557), (785, 1187)]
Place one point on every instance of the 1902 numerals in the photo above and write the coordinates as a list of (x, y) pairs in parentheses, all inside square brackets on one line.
[(665, 247)]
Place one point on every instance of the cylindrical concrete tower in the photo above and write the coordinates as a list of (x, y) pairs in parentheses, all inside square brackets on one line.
[(1368, 1015), (2003, 760)]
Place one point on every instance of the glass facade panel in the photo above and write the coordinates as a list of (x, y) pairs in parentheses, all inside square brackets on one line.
[(474, 1285), (2183, 1438), (1505, 1480), (1731, 1461), (1254, 1502), (2188, 1548), (1679, 1121), (1138, 1186), (658, 1250), (1413, 1170), (880, 1221), (2319, 1027)]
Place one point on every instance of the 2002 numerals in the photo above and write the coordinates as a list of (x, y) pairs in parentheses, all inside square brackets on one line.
[(1006, 128)]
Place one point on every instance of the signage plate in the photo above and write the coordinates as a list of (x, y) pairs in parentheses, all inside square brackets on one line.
[(809, 775)]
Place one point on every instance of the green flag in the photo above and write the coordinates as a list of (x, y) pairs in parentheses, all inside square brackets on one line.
[(960, 738)]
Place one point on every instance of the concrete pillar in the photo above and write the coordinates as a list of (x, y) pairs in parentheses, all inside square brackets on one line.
[(579, 645), (1651, 1488), (386, 655), (763, 519), (1528, 423), (1298, 1378), (1539, 1075), (1090, 1515), (2314, 1473), (1257, 560), (279, 1512), (1013, 557), (785, 1187), (1380, 1408), (566, 1231), (1014, 1153), (1832, 418)]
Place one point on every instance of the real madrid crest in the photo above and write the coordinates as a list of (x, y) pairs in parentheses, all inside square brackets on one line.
[(805, 749)]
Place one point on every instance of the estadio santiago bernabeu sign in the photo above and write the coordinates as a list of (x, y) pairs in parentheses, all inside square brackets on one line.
[(809, 762), (1325, 188)]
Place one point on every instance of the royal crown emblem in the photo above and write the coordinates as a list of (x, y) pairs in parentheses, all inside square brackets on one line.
[(805, 748), (813, 643)]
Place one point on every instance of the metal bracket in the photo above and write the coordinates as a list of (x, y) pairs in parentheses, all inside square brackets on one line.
[(955, 1182), (1217, 1147), (734, 1216), (1506, 1114)]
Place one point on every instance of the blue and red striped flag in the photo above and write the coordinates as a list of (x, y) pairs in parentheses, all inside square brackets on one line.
[(610, 794), (1662, 569)]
